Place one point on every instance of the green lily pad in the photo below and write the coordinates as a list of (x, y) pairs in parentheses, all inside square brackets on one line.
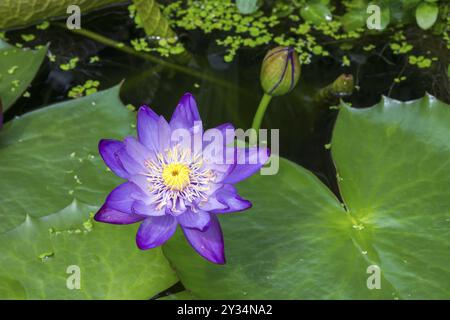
[(17, 69), (300, 242), (53, 180)]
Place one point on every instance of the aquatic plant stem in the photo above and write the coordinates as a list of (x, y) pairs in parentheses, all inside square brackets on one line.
[(127, 49), (259, 115)]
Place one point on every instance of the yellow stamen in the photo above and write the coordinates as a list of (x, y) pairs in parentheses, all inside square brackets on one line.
[(176, 176)]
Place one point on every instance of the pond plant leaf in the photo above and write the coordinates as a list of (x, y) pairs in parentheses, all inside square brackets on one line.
[(248, 6), (52, 182), (14, 13), (316, 13), (152, 19), (17, 69), (426, 14)]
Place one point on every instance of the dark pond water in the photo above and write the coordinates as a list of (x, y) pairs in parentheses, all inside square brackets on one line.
[(305, 126)]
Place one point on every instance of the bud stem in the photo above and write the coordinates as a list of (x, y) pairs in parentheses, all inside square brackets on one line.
[(259, 115)]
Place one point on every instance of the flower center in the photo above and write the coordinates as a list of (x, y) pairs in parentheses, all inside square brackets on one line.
[(176, 176)]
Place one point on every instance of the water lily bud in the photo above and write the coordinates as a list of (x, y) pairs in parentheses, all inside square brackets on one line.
[(280, 71)]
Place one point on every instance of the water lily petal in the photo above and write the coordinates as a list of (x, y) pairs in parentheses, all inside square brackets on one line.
[(108, 151), (112, 216), (161, 213), (147, 128), (209, 244), (154, 231), (198, 220), (185, 114), (247, 162), (137, 151), (221, 171), (216, 154), (229, 197), (123, 196)]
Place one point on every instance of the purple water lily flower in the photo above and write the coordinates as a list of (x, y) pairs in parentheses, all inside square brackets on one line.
[(171, 183)]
